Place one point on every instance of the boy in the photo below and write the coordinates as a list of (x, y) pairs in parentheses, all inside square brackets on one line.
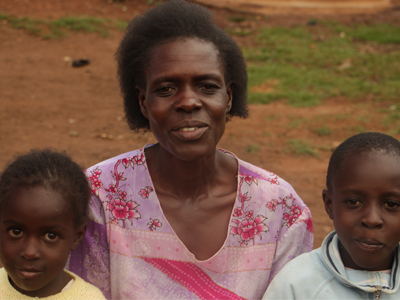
[(359, 260)]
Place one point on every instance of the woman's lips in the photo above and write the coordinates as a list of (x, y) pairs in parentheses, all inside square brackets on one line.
[(190, 133), (368, 245)]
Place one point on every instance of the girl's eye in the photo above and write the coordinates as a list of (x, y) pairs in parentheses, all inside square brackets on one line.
[(15, 232), (51, 237), (391, 204), (353, 202)]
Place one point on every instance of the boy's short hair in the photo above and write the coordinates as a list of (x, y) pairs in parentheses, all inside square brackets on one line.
[(361, 144), (171, 21), (49, 169)]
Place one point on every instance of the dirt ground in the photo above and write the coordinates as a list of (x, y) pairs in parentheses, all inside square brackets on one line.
[(44, 102)]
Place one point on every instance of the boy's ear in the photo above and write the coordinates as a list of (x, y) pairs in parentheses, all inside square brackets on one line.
[(328, 203), (79, 235), (141, 94)]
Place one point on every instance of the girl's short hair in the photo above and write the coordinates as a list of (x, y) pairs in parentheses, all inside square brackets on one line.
[(168, 22), (49, 169)]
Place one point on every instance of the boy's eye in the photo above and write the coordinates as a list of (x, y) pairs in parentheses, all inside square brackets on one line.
[(51, 237), (353, 202), (15, 232), (391, 204)]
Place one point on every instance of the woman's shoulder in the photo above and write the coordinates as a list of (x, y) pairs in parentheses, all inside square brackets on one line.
[(126, 159)]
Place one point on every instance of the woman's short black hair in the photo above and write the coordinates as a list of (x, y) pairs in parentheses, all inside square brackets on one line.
[(167, 22), (48, 169), (360, 144)]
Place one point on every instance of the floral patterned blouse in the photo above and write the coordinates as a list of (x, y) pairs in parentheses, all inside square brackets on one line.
[(131, 252)]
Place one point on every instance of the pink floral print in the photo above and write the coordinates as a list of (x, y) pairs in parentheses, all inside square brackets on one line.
[(123, 210), (154, 224), (249, 228), (146, 192)]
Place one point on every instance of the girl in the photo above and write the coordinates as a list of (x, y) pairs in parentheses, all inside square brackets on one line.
[(44, 200)]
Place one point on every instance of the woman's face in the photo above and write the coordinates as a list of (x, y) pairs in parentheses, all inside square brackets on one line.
[(186, 98)]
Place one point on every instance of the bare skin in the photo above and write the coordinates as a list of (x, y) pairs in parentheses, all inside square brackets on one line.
[(186, 101), (197, 205)]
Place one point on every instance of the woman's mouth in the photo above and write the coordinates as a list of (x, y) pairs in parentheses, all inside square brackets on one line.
[(190, 133), (188, 128)]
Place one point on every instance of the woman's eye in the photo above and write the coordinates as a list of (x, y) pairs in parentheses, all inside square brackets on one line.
[(165, 90), (52, 237), (391, 204), (208, 87), (15, 232)]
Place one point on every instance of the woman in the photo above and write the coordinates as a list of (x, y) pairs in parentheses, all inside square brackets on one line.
[(181, 219)]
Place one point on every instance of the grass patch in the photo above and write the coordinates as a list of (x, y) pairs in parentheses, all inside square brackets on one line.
[(310, 69), (57, 29), (301, 148), (323, 131), (253, 148)]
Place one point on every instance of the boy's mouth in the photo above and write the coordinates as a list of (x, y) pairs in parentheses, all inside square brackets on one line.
[(369, 245)]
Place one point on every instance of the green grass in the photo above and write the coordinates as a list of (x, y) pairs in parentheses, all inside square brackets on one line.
[(253, 148), (323, 131), (58, 28), (301, 148), (308, 68)]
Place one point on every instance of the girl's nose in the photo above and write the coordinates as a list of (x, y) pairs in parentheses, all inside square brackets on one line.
[(31, 249)]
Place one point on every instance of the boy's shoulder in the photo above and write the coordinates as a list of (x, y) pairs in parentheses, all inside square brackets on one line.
[(301, 278)]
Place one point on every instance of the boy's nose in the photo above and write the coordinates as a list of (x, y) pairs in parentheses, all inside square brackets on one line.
[(31, 249), (372, 219)]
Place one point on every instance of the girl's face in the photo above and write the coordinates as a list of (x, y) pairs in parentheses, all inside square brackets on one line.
[(186, 98), (37, 234), (364, 204)]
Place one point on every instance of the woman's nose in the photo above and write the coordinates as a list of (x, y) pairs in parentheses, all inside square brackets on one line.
[(31, 249), (188, 101)]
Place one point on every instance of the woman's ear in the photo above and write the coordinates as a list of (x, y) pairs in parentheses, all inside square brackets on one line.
[(229, 92), (79, 235), (327, 203), (141, 94)]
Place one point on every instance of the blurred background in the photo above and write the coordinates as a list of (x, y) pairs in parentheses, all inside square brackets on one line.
[(319, 72)]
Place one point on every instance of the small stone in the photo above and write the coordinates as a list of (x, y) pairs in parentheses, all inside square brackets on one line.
[(124, 8), (342, 34), (119, 118), (67, 58), (393, 107), (73, 134), (120, 137), (71, 121), (103, 135)]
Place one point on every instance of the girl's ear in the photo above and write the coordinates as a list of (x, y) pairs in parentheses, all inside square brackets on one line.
[(79, 234), (327, 203), (229, 91), (141, 94)]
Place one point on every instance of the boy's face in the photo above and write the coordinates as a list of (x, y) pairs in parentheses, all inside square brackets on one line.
[(36, 236), (364, 204)]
